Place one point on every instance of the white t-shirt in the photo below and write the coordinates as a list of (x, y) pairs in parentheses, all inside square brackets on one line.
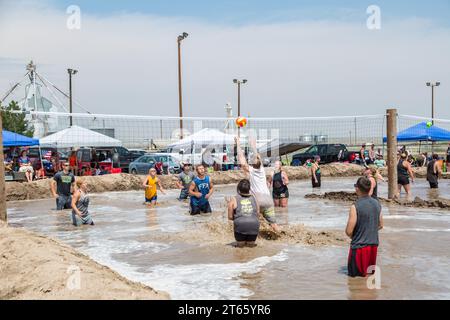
[(258, 182)]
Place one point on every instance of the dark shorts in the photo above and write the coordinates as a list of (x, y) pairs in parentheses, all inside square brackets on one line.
[(403, 181), (184, 194), (434, 184), (245, 237), (204, 208), (152, 199), (319, 182), (359, 260), (278, 196), (63, 202)]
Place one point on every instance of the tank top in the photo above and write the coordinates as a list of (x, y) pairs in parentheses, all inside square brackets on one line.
[(151, 191), (368, 219), (278, 185), (431, 175), (246, 216), (375, 190), (402, 171), (202, 185), (83, 204)]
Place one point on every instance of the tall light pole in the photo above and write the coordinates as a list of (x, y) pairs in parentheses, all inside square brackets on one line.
[(432, 85), (180, 97), (71, 72), (239, 82)]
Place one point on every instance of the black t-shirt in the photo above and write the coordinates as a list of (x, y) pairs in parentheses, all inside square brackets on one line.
[(63, 183)]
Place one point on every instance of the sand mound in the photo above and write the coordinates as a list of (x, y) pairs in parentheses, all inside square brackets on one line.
[(35, 267), (352, 197)]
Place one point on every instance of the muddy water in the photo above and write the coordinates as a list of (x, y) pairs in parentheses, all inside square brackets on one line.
[(169, 250)]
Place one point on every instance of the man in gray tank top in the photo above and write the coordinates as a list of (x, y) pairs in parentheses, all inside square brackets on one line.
[(364, 222), (243, 211)]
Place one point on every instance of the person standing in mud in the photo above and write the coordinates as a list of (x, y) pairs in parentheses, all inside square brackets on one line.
[(62, 186), (433, 172), (405, 172), (243, 211), (80, 205), (364, 222), (279, 182), (184, 181), (315, 173), (150, 184), (372, 174), (200, 190), (258, 183)]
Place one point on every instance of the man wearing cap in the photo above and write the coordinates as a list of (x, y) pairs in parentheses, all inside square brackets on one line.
[(185, 179), (62, 187)]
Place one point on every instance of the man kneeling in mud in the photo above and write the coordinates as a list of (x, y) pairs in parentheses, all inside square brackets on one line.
[(364, 222), (258, 182), (243, 211)]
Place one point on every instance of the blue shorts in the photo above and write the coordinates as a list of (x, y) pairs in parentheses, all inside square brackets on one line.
[(152, 199)]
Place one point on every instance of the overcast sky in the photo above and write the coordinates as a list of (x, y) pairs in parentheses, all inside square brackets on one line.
[(300, 58)]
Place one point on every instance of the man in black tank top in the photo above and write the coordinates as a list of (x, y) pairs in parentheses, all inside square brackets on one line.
[(433, 172), (364, 222), (405, 173)]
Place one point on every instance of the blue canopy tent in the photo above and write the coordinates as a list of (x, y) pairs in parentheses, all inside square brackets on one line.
[(12, 139), (421, 132)]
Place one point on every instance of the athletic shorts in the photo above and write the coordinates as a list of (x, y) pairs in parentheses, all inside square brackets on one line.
[(204, 208), (278, 196), (245, 237), (434, 184), (403, 181), (152, 199), (63, 202), (359, 260)]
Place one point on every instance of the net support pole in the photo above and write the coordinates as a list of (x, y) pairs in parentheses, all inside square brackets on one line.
[(3, 214), (391, 118)]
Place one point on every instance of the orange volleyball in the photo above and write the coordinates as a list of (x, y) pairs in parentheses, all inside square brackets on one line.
[(241, 122)]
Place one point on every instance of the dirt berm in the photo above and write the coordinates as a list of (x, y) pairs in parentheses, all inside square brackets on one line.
[(125, 182)]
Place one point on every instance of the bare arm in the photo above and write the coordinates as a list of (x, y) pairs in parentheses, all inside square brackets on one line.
[(410, 171), (161, 187), (285, 178), (241, 157), (145, 183), (372, 186), (437, 169), (351, 223), (313, 172), (211, 190), (381, 224), (75, 199), (53, 188), (179, 184), (231, 206), (192, 192)]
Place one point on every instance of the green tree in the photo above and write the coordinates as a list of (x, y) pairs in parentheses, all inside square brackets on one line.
[(16, 122)]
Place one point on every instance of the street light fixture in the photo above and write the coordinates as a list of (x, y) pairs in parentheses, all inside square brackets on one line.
[(71, 72), (180, 38), (239, 82), (433, 85)]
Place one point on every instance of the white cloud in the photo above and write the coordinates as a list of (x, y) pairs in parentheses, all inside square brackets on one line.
[(128, 63)]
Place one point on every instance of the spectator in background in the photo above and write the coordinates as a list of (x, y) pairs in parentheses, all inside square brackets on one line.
[(25, 165), (73, 162), (380, 162), (448, 155), (372, 154), (363, 153)]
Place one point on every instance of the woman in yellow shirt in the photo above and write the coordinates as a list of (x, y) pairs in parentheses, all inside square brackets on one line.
[(150, 184)]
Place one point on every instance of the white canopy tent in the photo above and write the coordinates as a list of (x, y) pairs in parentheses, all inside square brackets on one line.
[(204, 137), (75, 137)]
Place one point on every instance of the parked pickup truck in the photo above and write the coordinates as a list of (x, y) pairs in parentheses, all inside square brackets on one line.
[(328, 153)]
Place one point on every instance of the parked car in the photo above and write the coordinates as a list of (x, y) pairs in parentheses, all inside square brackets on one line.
[(328, 153), (138, 151), (162, 162), (120, 157)]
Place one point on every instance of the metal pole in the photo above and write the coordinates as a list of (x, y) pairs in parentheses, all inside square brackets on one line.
[(70, 98), (432, 104), (239, 99), (180, 98), (392, 152), (3, 214)]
